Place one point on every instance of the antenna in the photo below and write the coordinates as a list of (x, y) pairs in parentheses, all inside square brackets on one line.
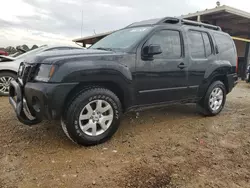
[(82, 23)]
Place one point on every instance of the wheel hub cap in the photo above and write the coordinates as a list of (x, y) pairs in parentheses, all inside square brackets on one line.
[(96, 117), (216, 99)]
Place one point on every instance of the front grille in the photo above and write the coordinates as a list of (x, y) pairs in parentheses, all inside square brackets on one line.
[(25, 72)]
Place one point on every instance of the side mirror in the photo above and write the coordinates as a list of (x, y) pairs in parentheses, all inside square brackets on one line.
[(152, 49)]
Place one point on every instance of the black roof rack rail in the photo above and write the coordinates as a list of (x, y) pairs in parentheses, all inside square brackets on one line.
[(170, 20), (200, 24), (174, 20)]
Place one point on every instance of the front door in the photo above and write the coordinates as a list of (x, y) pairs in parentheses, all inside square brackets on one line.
[(163, 77)]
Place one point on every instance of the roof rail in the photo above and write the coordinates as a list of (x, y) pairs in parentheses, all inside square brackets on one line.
[(175, 20), (200, 24), (170, 20)]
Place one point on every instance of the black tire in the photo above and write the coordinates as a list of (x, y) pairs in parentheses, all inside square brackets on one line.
[(71, 125), (204, 105), (6, 74)]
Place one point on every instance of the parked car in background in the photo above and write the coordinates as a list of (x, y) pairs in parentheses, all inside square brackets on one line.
[(146, 64), (3, 53), (9, 65), (4, 58), (248, 74)]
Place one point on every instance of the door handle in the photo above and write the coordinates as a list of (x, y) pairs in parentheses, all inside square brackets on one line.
[(182, 66)]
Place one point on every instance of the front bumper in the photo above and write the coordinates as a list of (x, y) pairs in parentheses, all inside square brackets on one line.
[(37, 101)]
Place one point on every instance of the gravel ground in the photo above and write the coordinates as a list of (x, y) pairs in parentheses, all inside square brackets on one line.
[(169, 147)]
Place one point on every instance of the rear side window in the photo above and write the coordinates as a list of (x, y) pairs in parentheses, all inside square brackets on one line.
[(170, 43), (200, 44), (196, 44), (223, 42)]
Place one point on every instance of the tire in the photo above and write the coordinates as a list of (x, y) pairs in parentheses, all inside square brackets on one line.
[(209, 105), (86, 104), (5, 78)]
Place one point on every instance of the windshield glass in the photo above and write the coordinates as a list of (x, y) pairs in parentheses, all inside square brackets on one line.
[(122, 39), (32, 52)]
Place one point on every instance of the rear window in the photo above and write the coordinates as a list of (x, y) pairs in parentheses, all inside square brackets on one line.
[(226, 48), (223, 42)]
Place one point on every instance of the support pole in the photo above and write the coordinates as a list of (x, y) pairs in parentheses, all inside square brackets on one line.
[(246, 59), (199, 18)]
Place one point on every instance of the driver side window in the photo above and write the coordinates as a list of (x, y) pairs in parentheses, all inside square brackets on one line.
[(170, 43)]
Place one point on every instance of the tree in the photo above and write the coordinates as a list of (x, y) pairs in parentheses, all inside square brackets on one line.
[(34, 47), (25, 47), (11, 50)]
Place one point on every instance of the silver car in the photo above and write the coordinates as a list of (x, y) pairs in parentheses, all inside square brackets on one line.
[(9, 65)]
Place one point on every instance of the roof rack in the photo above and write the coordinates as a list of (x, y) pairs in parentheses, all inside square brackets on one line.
[(200, 24), (173, 20), (170, 20)]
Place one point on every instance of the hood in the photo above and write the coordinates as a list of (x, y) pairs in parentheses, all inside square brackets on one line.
[(50, 57)]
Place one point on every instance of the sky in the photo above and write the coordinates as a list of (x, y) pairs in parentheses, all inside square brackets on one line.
[(57, 22)]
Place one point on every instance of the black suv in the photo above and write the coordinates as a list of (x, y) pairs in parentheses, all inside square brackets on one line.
[(146, 64)]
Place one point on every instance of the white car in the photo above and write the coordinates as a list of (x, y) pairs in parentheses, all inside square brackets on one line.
[(9, 65)]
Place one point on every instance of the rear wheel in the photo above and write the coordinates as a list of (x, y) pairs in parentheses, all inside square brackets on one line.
[(92, 117), (214, 100), (5, 79)]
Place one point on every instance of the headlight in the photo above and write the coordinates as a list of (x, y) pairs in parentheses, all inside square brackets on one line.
[(45, 72)]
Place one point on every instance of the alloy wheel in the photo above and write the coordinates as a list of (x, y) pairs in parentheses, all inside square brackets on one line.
[(96, 117), (5, 84), (216, 99)]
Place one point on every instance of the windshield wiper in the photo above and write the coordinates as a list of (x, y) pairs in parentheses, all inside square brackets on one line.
[(102, 48)]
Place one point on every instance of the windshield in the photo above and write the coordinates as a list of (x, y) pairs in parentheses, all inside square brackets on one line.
[(122, 39), (32, 52)]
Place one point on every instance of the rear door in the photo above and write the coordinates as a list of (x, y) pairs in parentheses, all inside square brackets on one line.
[(201, 55)]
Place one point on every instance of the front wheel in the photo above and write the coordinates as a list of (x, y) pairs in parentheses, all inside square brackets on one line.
[(92, 117), (214, 100)]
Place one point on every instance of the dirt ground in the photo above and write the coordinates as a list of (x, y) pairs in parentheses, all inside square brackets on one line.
[(169, 147)]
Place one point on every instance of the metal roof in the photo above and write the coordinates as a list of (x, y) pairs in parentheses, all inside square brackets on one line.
[(93, 36), (219, 11), (223, 8)]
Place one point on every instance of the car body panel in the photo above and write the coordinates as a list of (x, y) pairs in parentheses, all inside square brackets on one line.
[(143, 81)]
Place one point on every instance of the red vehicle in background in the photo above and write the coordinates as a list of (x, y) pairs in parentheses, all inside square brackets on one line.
[(3, 53)]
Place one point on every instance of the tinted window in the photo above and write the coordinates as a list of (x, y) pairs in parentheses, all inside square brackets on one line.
[(196, 44), (122, 39), (207, 44), (169, 41), (223, 42)]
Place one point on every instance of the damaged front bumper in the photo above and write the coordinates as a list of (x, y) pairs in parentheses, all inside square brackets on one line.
[(36, 101), (18, 102)]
